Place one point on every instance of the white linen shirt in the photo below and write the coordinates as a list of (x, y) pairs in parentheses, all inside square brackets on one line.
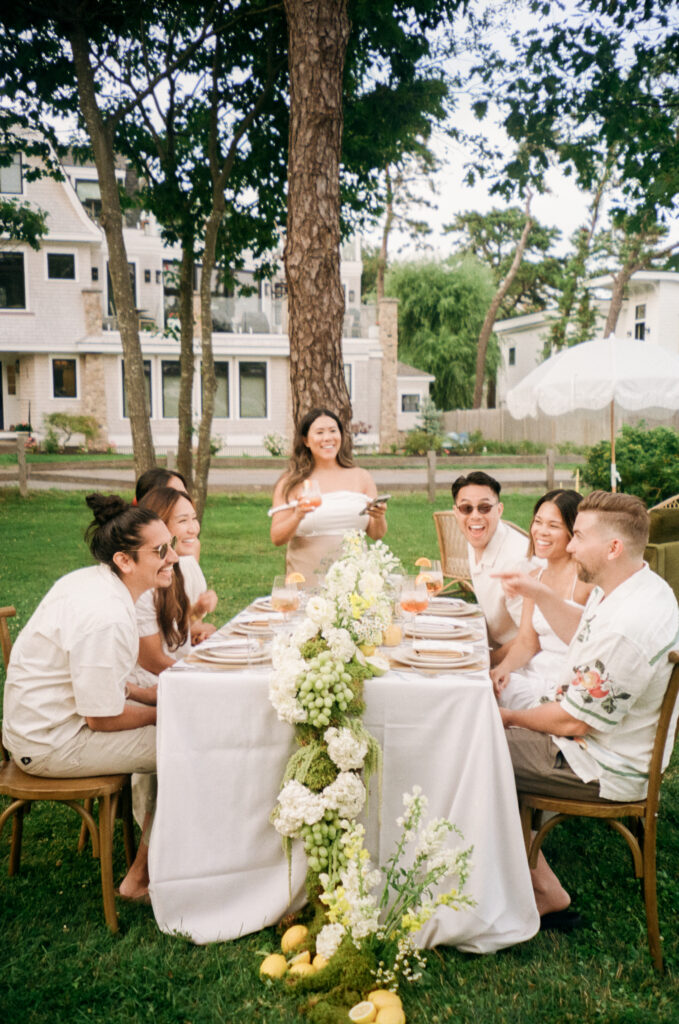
[(615, 677), (147, 620), (71, 660), (507, 550)]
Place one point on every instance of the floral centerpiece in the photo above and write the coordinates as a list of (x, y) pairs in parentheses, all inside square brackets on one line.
[(317, 686)]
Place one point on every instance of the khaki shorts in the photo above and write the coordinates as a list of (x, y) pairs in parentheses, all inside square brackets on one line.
[(540, 767)]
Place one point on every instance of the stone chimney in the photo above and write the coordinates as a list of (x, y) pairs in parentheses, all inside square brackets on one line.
[(388, 324)]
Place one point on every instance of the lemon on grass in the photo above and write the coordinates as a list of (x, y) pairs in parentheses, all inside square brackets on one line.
[(293, 937), (302, 958), (383, 997), (363, 1013), (390, 1015), (423, 562), (302, 968), (319, 962), (274, 966)]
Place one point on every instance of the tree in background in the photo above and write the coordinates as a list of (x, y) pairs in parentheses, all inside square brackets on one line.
[(441, 311)]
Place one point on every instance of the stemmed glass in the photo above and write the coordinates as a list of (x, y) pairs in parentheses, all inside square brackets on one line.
[(285, 596), (432, 577), (414, 596)]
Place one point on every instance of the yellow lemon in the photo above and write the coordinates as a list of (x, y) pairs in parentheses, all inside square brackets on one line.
[(319, 962), (363, 1013), (295, 577), (274, 966), (423, 577), (390, 1015), (367, 649), (423, 562), (382, 997), (293, 937), (302, 968), (302, 958)]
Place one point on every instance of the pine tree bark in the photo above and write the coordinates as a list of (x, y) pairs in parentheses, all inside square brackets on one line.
[(112, 222), (318, 31)]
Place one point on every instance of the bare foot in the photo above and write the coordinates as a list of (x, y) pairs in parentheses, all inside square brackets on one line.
[(550, 895)]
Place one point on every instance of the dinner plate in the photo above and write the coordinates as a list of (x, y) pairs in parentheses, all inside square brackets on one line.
[(454, 608), (250, 628), (224, 656), (446, 631), (263, 604), (439, 661)]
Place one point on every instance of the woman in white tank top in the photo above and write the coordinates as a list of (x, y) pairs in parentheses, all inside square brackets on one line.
[(313, 533), (532, 665)]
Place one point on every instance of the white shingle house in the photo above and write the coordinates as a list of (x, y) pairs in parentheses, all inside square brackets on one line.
[(60, 349)]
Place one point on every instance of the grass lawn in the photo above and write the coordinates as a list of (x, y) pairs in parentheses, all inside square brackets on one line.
[(60, 965)]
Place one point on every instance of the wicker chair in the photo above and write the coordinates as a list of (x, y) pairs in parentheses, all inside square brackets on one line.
[(639, 832), (79, 794), (453, 549)]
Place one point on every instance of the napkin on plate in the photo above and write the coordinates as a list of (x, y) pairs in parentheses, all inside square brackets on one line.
[(450, 647)]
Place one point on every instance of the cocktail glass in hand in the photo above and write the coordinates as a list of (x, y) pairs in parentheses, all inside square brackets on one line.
[(414, 596), (432, 577), (285, 596), (311, 492)]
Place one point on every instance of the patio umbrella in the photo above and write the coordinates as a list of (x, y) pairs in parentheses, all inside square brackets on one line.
[(634, 374)]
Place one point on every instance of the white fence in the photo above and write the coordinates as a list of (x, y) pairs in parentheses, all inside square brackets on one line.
[(581, 428)]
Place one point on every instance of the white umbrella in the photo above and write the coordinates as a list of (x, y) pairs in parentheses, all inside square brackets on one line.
[(634, 374)]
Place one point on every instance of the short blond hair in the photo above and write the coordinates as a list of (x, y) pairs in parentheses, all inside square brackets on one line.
[(623, 513)]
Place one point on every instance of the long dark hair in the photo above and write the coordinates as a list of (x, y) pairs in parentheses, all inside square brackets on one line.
[(567, 503), (157, 476), (116, 527), (301, 464), (171, 603)]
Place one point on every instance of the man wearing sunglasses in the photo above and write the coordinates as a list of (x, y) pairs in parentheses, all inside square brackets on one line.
[(492, 546)]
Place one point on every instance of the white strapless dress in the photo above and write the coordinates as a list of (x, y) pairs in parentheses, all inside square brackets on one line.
[(541, 676), (318, 540)]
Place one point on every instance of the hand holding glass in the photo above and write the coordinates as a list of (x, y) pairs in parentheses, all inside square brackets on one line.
[(311, 493)]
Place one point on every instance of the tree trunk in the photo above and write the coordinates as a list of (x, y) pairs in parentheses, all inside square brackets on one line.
[(203, 455), (318, 31), (186, 364), (384, 247), (491, 315), (112, 223), (620, 282)]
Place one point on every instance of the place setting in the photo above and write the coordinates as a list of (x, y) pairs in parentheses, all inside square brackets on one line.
[(440, 656), (439, 628)]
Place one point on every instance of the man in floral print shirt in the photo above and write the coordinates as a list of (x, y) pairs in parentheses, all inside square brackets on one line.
[(594, 740)]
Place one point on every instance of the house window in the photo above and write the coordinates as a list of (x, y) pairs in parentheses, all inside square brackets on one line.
[(512, 356), (147, 378), (11, 177), (11, 371), (252, 390), (63, 378), (95, 273), (89, 194), (640, 322), (109, 283), (221, 409), (61, 266), (171, 376), (410, 403), (348, 375), (12, 287)]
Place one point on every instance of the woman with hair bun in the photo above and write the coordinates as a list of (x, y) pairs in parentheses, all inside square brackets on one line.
[(70, 708), (313, 532), (534, 658)]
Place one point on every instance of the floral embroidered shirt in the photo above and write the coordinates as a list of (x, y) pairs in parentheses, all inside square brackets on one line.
[(615, 678)]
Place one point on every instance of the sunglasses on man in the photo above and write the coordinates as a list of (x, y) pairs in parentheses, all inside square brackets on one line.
[(484, 508)]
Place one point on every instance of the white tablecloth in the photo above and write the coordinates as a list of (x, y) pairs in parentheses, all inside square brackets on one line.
[(216, 863)]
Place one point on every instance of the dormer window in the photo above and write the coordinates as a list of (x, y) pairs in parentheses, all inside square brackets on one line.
[(640, 322)]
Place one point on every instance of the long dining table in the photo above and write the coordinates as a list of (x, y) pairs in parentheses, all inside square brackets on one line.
[(217, 866)]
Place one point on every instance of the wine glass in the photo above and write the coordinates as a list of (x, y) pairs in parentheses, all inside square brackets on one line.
[(432, 577), (311, 492), (414, 596), (285, 596)]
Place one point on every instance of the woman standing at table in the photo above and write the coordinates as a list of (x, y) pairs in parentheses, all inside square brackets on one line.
[(532, 665), (313, 532), (170, 620)]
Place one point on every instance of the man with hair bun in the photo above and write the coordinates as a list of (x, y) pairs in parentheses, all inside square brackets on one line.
[(594, 739), (70, 709)]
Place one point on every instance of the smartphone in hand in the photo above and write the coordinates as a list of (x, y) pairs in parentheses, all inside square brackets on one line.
[(381, 499)]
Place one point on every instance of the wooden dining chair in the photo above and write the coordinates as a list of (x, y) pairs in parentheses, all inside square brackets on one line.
[(453, 549), (639, 832), (112, 792)]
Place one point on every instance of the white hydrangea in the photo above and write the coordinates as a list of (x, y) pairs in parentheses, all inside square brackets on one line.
[(297, 806), (344, 749), (340, 643), (346, 795), (328, 939), (371, 583), (303, 631)]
